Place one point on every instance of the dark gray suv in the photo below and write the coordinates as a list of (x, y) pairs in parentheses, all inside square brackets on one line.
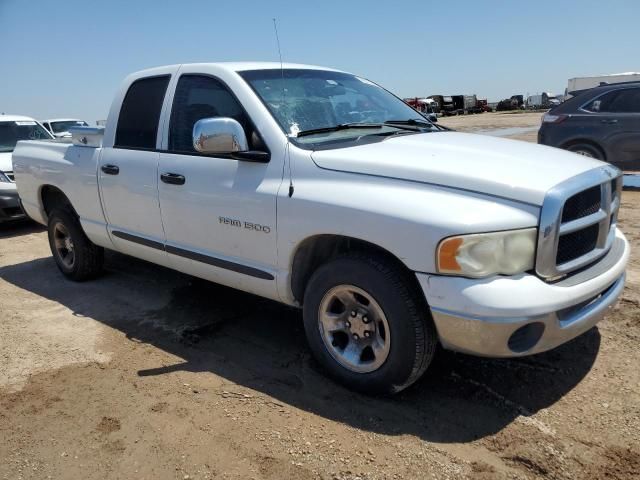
[(603, 123)]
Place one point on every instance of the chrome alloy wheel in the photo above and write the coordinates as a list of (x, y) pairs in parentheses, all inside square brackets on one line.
[(354, 328), (64, 245)]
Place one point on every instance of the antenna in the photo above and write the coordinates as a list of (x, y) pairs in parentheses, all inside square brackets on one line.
[(275, 28)]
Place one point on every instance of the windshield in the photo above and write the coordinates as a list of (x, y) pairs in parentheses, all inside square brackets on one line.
[(302, 100), (11, 132), (60, 127)]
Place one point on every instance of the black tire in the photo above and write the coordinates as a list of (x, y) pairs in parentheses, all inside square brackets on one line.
[(88, 258), (413, 337), (587, 150)]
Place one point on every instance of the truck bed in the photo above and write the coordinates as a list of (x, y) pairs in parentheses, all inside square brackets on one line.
[(41, 165)]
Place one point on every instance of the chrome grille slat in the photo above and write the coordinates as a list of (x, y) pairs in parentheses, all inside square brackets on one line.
[(10, 176), (582, 222), (552, 232)]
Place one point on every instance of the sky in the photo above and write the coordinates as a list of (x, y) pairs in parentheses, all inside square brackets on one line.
[(67, 58)]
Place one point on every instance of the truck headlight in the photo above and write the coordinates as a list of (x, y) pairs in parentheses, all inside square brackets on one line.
[(4, 178), (483, 254)]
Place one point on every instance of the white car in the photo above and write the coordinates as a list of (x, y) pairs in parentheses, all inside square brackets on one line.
[(319, 189), (14, 128), (59, 127)]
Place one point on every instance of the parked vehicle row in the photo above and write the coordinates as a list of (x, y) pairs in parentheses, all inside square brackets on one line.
[(462, 104), (541, 101), (449, 105), (459, 104), (319, 189)]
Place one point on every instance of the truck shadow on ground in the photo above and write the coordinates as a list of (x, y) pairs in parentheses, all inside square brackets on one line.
[(259, 344)]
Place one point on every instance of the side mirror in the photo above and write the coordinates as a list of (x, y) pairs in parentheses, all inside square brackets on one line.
[(219, 135), (433, 117)]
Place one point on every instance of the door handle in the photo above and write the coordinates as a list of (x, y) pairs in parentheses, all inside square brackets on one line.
[(173, 178), (110, 169), (610, 121)]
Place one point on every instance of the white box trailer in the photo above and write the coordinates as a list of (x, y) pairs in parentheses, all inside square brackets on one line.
[(579, 84)]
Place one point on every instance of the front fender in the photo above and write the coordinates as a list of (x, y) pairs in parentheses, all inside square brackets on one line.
[(407, 219)]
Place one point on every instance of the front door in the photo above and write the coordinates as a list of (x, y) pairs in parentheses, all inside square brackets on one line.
[(219, 214)]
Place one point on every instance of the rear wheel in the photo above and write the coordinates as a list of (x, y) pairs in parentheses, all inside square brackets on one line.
[(586, 150), (367, 324), (76, 256)]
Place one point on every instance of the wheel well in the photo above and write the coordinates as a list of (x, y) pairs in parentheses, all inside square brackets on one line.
[(52, 198), (320, 249), (591, 143)]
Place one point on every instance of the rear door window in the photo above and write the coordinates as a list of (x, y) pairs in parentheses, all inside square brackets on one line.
[(140, 113), (626, 101), (617, 101)]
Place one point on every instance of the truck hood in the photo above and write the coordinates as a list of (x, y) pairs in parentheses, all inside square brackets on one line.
[(511, 169), (5, 162)]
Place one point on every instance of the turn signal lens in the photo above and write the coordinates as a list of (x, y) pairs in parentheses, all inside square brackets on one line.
[(485, 254)]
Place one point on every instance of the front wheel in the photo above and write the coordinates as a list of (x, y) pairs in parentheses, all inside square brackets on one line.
[(367, 324), (76, 256)]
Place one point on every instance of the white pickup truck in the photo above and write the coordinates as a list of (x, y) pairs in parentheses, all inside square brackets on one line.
[(320, 189)]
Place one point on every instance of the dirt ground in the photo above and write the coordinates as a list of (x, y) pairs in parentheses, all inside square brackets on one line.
[(146, 373), (523, 125)]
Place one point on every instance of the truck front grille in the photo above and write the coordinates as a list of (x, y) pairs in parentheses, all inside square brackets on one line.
[(578, 221), (10, 176)]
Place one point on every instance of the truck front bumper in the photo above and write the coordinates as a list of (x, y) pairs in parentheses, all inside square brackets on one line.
[(10, 208), (522, 315)]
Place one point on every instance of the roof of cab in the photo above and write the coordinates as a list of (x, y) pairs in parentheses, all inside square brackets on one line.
[(242, 66), (235, 67)]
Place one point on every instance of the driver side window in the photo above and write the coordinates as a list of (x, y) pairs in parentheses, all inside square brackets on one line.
[(199, 97)]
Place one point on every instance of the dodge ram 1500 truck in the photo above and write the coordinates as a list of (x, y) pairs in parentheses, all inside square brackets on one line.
[(320, 189)]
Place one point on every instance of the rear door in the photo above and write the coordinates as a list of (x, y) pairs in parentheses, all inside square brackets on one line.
[(622, 110), (128, 172)]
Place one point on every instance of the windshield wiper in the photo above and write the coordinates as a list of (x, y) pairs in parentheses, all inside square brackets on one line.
[(411, 121), (335, 128), (416, 122)]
